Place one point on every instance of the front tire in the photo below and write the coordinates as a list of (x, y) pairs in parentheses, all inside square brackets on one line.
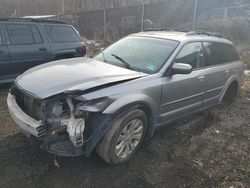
[(124, 138)]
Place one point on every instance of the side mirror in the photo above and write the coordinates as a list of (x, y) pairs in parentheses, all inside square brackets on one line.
[(181, 68)]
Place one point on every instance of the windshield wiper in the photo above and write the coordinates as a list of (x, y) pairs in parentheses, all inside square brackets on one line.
[(126, 64)]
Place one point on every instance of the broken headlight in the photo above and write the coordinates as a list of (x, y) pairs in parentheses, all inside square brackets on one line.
[(97, 105), (57, 109)]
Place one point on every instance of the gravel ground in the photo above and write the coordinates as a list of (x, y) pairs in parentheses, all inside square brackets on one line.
[(207, 150)]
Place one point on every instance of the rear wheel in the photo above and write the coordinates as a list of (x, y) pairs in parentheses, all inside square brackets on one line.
[(124, 138)]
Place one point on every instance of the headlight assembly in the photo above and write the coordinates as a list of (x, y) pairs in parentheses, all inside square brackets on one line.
[(97, 105), (57, 109)]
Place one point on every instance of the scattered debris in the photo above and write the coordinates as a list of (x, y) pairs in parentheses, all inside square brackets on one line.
[(217, 131), (56, 164), (199, 163), (247, 72)]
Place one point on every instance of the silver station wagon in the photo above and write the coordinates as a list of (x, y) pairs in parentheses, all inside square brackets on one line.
[(110, 103)]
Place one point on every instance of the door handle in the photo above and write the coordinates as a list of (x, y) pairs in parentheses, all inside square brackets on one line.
[(43, 49), (201, 78)]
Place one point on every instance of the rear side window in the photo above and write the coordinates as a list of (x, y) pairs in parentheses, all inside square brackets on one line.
[(20, 34), (62, 33), (219, 53)]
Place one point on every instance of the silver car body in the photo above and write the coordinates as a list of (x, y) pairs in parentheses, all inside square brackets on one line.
[(167, 98)]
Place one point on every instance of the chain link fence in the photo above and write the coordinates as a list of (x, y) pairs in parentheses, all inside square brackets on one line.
[(116, 22), (113, 23)]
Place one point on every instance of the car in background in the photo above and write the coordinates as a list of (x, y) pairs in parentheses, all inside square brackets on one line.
[(25, 43)]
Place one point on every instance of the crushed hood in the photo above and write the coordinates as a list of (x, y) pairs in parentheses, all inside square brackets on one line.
[(67, 76)]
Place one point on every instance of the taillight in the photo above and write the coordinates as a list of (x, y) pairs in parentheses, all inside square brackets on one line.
[(84, 49), (81, 51)]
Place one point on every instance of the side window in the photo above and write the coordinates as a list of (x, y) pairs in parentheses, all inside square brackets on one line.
[(219, 53), (62, 33), (1, 36), (192, 54), (20, 34), (36, 35)]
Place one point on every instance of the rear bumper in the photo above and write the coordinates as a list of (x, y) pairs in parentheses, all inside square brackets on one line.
[(25, 122)]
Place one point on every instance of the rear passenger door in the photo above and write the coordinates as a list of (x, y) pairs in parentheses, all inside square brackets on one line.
[(27, 48), (4, 56), (220, 62)]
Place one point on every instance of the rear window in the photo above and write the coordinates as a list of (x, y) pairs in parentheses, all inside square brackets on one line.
[(219, 53), (60, 34)]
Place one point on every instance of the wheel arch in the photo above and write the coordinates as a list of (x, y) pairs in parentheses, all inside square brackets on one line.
[(144, 102), (64, 56), (118, 107), (232, 80)]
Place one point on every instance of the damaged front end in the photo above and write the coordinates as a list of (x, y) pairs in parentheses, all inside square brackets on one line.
[(66, 125)]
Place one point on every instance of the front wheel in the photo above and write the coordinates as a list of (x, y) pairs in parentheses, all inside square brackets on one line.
[(124, 138)]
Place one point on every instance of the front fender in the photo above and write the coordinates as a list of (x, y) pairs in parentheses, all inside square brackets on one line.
[(103, 121), (130, 100)]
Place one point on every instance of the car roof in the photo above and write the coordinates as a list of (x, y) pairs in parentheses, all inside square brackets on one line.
[(185, 36), (28, 20)]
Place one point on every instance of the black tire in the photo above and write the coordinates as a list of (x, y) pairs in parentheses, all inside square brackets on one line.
[(106, 147), (231, 94)]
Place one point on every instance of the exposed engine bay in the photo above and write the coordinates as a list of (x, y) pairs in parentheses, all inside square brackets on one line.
[(63, 126)]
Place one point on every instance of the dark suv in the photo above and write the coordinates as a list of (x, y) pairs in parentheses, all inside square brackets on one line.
[(25, 43)]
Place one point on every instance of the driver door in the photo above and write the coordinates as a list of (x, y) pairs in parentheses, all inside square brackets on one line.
[(183, 94)]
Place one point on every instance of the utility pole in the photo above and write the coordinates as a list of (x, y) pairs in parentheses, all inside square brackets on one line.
[(63, 7), (143, 15), (17, 8), (38, 7), (74, 7), (224, 8), (195, 14), (104, 21)]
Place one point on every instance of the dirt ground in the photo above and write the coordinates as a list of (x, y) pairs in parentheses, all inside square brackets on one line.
[(207, 150)]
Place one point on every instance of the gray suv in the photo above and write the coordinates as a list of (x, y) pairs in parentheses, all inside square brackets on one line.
[(112, 102), (25, 43)]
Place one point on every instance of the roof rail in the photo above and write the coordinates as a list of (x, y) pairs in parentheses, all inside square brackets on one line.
[(175, 29), (189, 32), (32, 20), (168, 29), (207, 33)]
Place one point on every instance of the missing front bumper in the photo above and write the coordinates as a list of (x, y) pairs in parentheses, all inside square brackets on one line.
[(57, 143), (26, 123), (61, 146)]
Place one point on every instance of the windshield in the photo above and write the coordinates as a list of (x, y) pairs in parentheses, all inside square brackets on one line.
[(142, 54)]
